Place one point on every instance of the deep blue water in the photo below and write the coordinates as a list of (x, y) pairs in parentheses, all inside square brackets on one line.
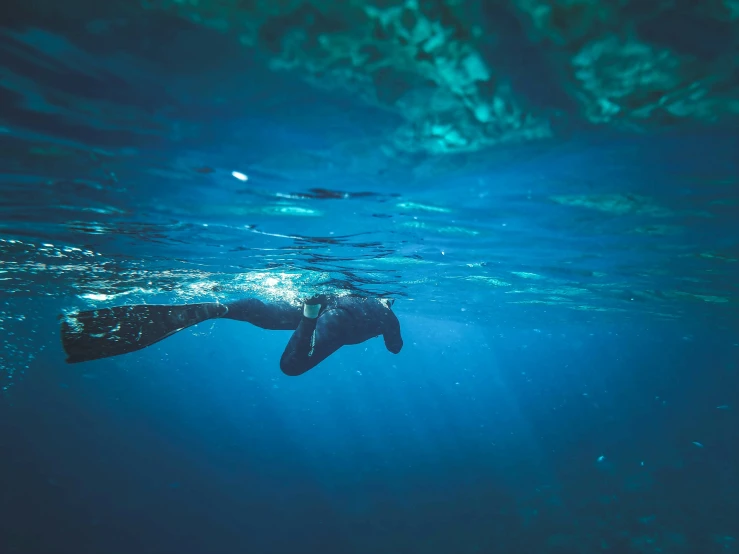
[(569, 381)]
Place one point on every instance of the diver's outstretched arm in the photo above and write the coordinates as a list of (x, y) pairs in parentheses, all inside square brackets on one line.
[(315, 339)]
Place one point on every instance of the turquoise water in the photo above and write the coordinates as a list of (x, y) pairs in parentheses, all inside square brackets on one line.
[(560, 235)]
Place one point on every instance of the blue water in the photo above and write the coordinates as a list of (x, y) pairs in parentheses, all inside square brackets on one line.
[(569, 381)]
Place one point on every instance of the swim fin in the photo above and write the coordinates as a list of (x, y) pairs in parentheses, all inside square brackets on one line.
[(106, 332)]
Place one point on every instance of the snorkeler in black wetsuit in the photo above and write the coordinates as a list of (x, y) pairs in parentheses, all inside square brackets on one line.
[(322, 325)]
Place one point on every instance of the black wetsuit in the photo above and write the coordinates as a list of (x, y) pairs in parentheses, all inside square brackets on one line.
[(341, 321), (106, 332)]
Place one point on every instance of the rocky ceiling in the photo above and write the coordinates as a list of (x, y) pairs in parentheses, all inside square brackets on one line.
[(464, 75)]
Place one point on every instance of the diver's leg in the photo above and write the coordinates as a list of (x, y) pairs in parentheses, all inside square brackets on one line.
[(276, 316), (105, 332), (315, 339)]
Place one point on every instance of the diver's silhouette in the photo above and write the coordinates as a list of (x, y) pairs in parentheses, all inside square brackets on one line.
[(322, 325)]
